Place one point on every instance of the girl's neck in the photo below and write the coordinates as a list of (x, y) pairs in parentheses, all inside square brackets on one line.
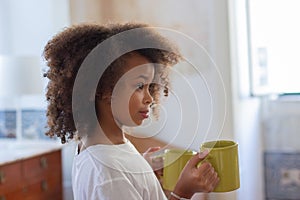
[(110, 132), (108, 135)]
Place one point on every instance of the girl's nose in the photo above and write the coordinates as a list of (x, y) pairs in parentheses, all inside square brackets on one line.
[(148, 99)]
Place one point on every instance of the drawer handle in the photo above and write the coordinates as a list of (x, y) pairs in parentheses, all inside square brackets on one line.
[(25, 189), (2, 177), (2, 197), (44, 185), (43, 162)]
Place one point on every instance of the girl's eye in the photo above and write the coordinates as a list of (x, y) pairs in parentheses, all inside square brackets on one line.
[(140, 86)]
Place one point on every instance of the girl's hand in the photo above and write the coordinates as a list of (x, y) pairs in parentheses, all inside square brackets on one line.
[(196, 179), (156, 163)]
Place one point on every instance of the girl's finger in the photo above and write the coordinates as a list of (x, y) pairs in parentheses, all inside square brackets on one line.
[(204, 168), (152, 149)]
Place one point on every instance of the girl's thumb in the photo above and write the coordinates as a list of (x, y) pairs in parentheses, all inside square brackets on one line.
[(194, 161)]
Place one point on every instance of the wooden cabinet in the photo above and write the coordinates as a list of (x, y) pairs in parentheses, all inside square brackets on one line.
[(34, 178)]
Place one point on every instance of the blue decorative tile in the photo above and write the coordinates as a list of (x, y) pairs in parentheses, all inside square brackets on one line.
[(8, 123), (282, 175), (34, 124)]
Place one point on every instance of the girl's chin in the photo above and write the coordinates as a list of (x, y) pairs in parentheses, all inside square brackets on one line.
[(133, 124)]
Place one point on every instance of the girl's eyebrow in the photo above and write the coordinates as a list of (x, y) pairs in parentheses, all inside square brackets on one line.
[(142, 76)]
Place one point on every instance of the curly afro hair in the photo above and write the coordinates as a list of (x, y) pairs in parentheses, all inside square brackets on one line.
[(65, 53)]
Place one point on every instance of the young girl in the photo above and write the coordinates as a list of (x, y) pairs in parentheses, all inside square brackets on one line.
[(107, 165)]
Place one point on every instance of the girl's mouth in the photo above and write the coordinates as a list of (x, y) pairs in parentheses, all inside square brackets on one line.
[(144, 114)]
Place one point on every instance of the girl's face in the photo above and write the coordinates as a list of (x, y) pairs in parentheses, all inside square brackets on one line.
[(131, 99)]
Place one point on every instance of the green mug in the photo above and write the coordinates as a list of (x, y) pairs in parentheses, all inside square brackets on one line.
[(174, 162), (223, 156)]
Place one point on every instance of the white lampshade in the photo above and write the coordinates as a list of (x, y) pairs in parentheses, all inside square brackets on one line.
[(20, 76)]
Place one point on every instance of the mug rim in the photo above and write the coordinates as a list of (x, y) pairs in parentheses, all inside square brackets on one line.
[(181, 151), (211, 144)]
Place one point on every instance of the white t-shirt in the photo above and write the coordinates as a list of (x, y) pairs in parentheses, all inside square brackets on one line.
[(113, 172)]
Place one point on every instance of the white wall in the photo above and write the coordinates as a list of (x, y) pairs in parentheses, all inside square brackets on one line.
[(27, 25), (247, 116), (5, 26)]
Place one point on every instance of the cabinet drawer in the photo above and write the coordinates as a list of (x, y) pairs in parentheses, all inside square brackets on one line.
[(18, 194), (47, 163), (34, 178), (45, 189), (10, 177)]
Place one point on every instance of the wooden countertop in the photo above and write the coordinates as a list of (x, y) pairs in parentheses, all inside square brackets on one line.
[(11, 151)]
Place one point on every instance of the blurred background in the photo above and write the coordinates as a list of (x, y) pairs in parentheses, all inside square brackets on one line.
[(253, 84)]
